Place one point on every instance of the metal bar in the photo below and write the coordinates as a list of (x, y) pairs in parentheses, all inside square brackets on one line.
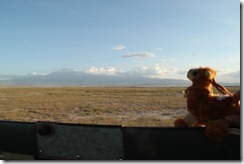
[(86, 142), (75, 141)]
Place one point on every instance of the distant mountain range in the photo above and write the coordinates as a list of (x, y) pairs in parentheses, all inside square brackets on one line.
[(69, 77)]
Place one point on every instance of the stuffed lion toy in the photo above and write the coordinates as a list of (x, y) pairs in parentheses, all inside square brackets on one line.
[(204, 108)]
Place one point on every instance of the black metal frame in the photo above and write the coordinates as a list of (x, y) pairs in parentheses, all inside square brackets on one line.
[(139, 143)]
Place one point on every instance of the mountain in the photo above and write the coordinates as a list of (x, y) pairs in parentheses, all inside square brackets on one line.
[(70, 77)]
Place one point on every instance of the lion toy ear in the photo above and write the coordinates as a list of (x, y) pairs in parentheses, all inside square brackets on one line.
[(210, 73), (207, 73)]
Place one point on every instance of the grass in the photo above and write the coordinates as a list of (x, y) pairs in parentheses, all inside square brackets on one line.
[(129, 106)]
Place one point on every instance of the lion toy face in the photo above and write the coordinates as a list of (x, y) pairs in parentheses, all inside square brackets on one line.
[(201, 74), (206, 108)]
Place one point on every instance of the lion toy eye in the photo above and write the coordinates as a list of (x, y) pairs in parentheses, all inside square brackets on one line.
[(194, 73)]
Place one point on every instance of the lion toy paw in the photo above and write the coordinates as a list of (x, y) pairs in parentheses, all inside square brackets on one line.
[(217, 130), (180, 123)]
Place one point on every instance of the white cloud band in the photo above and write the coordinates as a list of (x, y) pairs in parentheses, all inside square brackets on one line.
[(139, 55), (119, 47), (101, 71)]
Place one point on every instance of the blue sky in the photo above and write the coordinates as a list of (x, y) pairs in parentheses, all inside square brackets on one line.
[(154, 38)]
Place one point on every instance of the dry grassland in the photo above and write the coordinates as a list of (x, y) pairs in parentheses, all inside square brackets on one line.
[(149, 106)]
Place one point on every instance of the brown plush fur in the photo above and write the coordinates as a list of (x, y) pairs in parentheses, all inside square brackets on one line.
[(207, 107)]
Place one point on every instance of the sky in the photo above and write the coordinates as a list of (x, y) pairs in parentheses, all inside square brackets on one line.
[(153, 38)]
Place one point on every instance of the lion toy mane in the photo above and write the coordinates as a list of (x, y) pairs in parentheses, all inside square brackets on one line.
[(204, 108)]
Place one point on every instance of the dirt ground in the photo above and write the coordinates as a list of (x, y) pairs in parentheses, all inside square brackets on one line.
[(128, 106)]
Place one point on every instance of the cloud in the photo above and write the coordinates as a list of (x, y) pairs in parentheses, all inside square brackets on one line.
[(101, 71), (182, 72), (139, 55), (155, 71), (158, 49), (236, 74), (231, 77), (119, 47), (168, 59), (152, 72), (34, 74)]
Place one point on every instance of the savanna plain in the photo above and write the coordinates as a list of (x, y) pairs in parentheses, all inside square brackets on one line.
[(128, 106)]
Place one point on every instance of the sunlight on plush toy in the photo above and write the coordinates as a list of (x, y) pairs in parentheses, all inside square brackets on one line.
[(204, 108)]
